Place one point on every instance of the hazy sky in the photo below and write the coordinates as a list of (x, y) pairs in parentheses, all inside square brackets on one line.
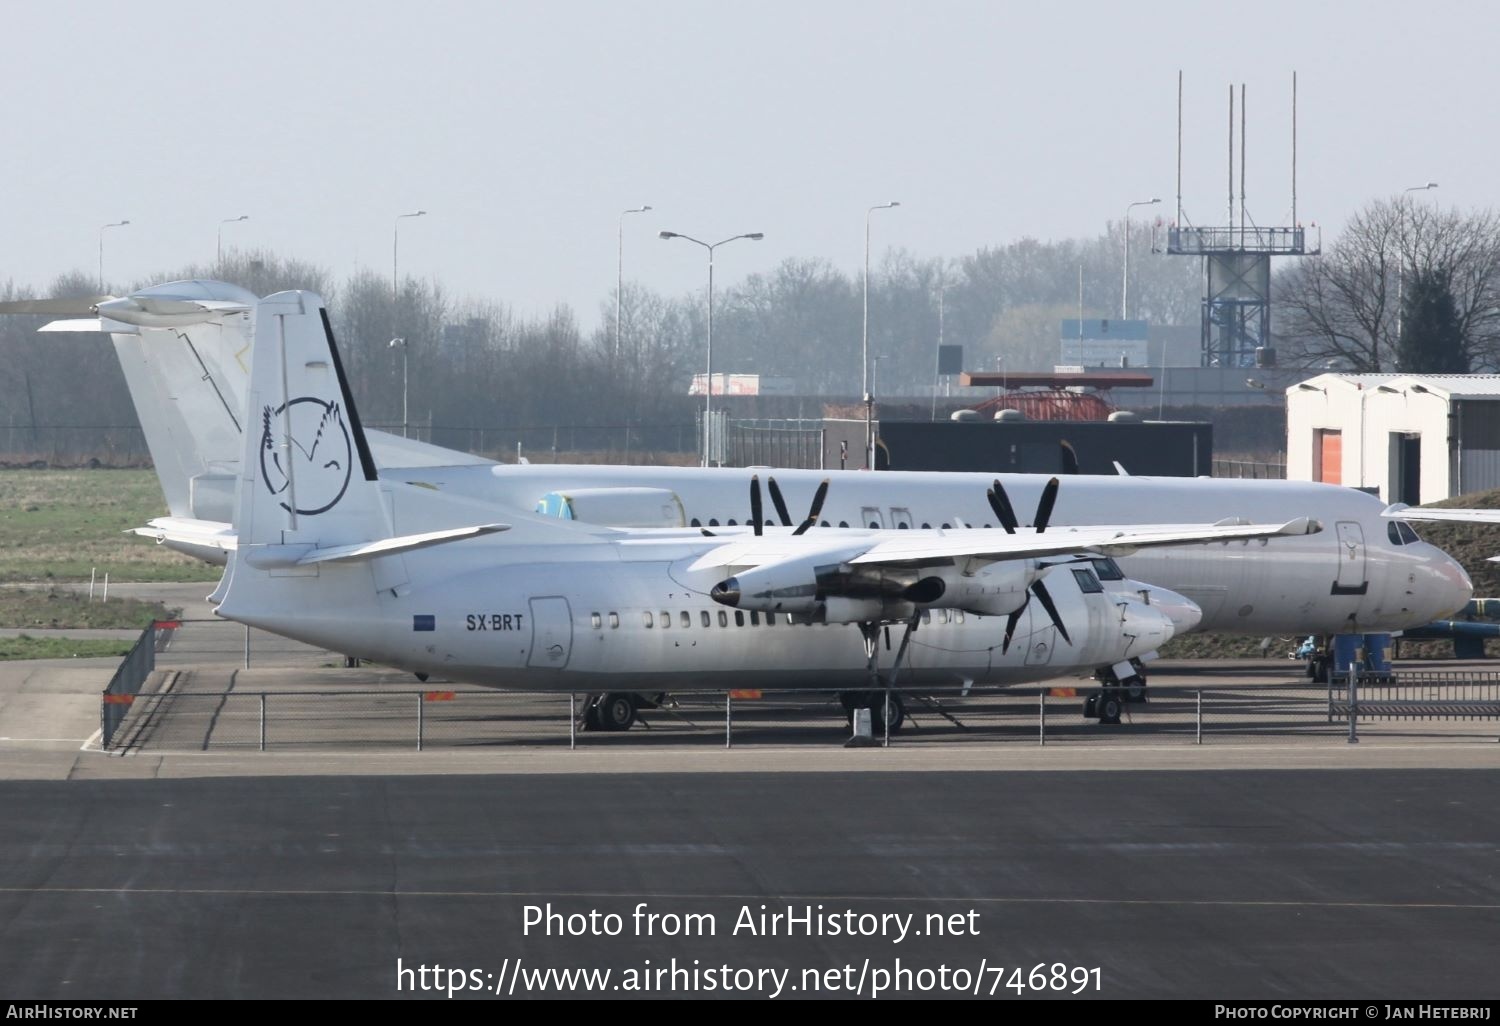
[(525, 128)]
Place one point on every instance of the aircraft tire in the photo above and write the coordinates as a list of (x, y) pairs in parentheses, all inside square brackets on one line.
[(1135, 688), (877, 712), (1108, 707), (616, 711)]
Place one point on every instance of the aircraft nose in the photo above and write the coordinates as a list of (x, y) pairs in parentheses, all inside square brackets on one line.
[(1184, 613), (1146, 628), (726, 592), (1446, 588)]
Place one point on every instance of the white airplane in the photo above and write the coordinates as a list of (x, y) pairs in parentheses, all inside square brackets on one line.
[(185, 345), (324, 555)]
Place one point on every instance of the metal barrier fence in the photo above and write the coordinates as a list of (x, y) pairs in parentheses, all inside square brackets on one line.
[(126, 683), (1412, 695), (182, 719)]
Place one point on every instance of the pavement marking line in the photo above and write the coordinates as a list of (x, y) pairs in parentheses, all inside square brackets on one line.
[(93, 743), (358, 892), (22, 739)]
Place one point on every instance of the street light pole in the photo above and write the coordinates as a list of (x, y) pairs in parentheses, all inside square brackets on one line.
[(396, 255), (112, 224), (708, 391), (1125, 287), (219, 249), (864, 348), (400, 343), (942, 292), (1401, 267), (620, 270)]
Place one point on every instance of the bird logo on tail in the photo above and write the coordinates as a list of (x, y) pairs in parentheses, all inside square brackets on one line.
[(320, 453)]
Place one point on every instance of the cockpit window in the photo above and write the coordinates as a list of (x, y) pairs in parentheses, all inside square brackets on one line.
[(1401, 533), (1108, 570), (1087, 582)]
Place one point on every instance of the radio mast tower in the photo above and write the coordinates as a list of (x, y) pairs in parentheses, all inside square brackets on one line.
[(1237, 259)]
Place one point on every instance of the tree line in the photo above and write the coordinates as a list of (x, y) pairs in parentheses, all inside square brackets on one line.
[(1405, 286)]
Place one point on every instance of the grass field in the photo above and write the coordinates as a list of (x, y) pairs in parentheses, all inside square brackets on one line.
[(59, 525), (56, 609), (27, 647)]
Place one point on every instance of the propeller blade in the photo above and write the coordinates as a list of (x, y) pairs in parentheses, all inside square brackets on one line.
[(1041, 592), (816, 509), (755, 509), (1044, 507), (1069, 457), (778, 502), (1010, 625), (1000, 503), (83, 306)]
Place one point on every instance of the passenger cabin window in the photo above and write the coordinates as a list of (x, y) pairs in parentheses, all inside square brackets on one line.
[(723, 618), (713, 521), (646, 618), (770, 619), (707, 620), (1108, 570), (666, 619), (614, 620), (739, 618), (596, 620), (754, 618), (686, 619), (694, 522), (1087, 582)]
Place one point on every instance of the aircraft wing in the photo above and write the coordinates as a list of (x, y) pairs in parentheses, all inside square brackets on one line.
[(994, 546), (937, 548), (1400, 511)]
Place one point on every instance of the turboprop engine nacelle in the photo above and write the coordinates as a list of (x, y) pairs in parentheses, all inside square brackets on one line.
[(850, 592)]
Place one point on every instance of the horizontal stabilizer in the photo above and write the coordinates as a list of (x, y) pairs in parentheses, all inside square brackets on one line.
[(185, 531), (54, 307), (75, 324), (402, 543)]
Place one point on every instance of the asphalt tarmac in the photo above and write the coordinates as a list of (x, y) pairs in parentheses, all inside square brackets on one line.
[(1210, 884)]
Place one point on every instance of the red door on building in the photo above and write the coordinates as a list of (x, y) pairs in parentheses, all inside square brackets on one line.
[(1330, 456)]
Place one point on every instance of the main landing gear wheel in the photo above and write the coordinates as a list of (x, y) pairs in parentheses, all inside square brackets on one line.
[(614, 711), (875, 701), (1104, 705)]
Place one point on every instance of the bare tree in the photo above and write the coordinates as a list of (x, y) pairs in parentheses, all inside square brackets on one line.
[(1341, 309)]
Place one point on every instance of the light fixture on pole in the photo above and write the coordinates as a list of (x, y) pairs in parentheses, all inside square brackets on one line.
[(1125, 286), (864, 346), (620, 269), (112, 224), (708, 389), (1401, 267), (400, 343), (396, 253), (219, 248)]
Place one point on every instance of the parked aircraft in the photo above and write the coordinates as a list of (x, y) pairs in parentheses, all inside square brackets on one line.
[(1355, 577), (324, 554)]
